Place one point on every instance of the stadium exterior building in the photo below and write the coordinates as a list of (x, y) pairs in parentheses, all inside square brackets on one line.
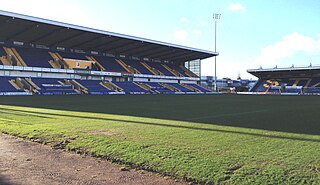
[(227, 84), (40, 56), (293, 80)]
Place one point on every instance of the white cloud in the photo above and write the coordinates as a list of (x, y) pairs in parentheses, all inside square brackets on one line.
[(180, 35), (227, 67), (236, 7), (290, 45), (183, 19), (197, 32), (203, 23)]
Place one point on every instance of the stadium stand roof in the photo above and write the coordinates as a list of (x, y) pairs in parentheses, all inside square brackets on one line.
[(289, 71), (40, 31)]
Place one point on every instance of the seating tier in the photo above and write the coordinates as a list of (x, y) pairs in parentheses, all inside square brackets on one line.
[(6, 85)]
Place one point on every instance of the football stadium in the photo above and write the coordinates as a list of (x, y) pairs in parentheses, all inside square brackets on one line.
[(139, 103)]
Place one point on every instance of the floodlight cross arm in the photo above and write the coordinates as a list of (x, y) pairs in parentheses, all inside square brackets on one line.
[(216, 16)]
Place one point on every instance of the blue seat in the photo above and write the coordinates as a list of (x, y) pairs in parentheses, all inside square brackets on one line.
[(110, 64), (6, 85), (94, 87), (130, 87), (138, 66), (157, 87), (51, 86), (160, 68), (177, 68), (2, 52), (35, 57), (181, 88)]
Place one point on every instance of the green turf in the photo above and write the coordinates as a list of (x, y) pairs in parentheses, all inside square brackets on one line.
[(217, 139)]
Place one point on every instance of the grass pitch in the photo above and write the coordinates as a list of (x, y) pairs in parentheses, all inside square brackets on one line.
[(213, 139)]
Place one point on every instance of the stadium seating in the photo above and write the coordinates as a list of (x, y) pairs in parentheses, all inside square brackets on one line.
[(160, 68), (2, 52), (173, 71), (264, 85), (49, 86), (110, 64), (138, 66), (131, 88), (159, 88), (181, 88), (95, 87), (178, 69), (127, 67), (313, 86), (43, 58), (35, 57), (183, 70), (314, 82), (12, 57), (290, 85), (6, 86), (258, 86), (302, 82), (153, 70), (313, 90)]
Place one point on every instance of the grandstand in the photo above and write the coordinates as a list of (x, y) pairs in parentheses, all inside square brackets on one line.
[(294, 80), (39, 56)]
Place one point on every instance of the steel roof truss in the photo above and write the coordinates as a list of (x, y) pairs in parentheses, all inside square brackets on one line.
[(87, 41), (154, 51), (10, 37), (66, 39), (45, 35)]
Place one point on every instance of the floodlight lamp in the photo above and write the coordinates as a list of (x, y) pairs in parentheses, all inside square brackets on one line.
[(216, 16)]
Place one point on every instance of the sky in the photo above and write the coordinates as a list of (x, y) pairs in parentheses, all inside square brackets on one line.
[(250, 34)]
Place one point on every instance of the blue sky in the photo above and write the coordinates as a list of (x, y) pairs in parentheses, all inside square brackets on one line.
[(251, 33)]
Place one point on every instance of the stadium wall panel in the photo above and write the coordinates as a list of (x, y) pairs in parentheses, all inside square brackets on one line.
[(140, 79), (163, 81), (187, 82)]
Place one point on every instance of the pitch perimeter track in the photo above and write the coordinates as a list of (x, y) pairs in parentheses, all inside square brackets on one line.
[(25, 162)]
